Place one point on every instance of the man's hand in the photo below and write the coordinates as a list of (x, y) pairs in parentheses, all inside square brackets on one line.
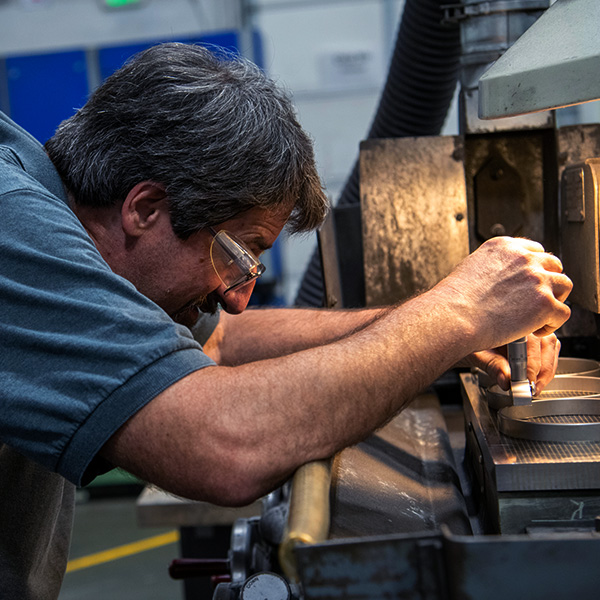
[(508, 288), (542, 361), (513, 288)]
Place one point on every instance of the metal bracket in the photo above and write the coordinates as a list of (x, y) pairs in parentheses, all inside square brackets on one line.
[(453, 13), (580, 254)]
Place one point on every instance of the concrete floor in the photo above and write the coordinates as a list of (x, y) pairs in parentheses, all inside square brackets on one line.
[(107, 523)]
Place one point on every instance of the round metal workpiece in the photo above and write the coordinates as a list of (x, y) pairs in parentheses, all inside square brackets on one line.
[(560, 388), (564, 420), (582, 367), (567, 386)]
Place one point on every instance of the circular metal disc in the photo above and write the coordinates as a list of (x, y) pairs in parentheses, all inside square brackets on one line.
[(583, 367), (560, 388), (526, 422)]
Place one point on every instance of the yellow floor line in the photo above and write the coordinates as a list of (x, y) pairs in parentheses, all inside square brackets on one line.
[(120, 551)]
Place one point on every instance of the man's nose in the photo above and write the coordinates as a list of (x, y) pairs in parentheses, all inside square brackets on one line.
[(236, 301)]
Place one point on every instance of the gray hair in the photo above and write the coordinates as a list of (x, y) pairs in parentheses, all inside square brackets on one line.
[(218, 134)]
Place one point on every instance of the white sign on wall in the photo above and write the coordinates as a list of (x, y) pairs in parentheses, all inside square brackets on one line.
[(349, 68)]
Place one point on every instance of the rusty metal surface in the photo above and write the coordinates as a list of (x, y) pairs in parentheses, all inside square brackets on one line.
[(576, 143), (579, 232), (579, 247), (330, 263), (399, 567), (446, 567), (521, 566), (401, 479), (414, 214), (521, 211), (499, 189)]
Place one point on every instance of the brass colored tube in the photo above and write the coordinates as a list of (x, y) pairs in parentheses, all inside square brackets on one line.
[(308, 520)]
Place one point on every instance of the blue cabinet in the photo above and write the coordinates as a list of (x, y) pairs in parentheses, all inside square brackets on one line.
[(41, 90), (44, 89)]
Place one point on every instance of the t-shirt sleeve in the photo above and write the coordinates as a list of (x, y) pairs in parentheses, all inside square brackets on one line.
[(82, 351)]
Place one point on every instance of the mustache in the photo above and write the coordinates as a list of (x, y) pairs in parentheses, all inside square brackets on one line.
[(209, 304), (189, 314)]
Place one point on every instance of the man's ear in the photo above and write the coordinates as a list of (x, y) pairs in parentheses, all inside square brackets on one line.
[(144, 205)]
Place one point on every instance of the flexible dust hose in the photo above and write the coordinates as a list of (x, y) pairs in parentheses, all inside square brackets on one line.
[(416, 97), (308, 520)]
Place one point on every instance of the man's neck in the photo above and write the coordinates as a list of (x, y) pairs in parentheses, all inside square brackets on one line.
[(103, 225)]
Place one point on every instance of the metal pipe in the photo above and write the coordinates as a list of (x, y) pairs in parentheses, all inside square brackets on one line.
[(308, 520)]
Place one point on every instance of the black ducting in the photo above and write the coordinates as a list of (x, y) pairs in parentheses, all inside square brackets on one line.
[(417, 95)]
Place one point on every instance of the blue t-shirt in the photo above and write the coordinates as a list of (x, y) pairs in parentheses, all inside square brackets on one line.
[(81, 349)]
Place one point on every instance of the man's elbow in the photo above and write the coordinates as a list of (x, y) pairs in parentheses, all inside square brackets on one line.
[(238, 481)]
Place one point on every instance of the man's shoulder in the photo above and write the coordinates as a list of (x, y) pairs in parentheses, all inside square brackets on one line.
[(14, 177), (24, 163), (10, 157)]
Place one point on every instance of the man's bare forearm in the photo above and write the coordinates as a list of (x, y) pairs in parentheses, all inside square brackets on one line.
[(229, 434), (259, 334)]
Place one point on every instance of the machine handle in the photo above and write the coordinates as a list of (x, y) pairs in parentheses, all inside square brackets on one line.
[(181, 568)]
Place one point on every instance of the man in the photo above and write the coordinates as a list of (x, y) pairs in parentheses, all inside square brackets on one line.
[(152, 205)]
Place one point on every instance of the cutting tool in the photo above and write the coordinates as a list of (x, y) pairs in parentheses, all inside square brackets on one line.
[(520, 387)]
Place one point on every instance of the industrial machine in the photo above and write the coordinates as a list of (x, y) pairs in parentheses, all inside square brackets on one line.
[(470, 492)]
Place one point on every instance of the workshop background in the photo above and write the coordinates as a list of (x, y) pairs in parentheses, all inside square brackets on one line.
[(332, 55)]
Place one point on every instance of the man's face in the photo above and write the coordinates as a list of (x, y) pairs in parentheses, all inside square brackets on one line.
[(183, 280)]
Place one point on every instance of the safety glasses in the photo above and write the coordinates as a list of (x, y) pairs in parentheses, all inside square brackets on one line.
[(233, 262)]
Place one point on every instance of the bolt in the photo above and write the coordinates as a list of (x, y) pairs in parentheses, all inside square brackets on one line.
[(497, 229)]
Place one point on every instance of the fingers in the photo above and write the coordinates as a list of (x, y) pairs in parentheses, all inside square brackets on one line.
[(556, 319), (495, 364), (550, 354), (554, 283), (552, 263), (560, 283), (542, 360), (508, 288), (534, 357), (526, 243), (562, 287)]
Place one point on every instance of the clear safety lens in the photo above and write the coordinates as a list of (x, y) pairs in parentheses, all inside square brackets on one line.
[(233, 261)]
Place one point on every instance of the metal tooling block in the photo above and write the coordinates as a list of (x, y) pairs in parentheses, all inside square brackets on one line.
[(414, 214), (524, 484)]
